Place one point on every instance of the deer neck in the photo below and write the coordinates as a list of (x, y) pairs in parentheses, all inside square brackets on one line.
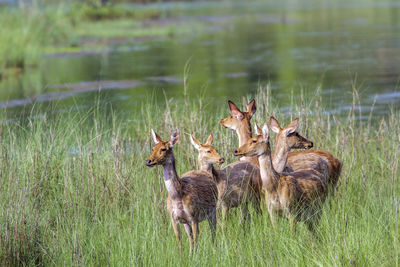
[(209, 168), (280, 155), (205, 166), (171, 178), (269, 176), (244, 133)]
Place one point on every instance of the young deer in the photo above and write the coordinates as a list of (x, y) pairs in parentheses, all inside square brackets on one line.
[(298, 195), (190, 200), (234, 182), (301, 160)]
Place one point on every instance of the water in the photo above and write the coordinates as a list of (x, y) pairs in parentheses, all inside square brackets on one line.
[(297, 47)]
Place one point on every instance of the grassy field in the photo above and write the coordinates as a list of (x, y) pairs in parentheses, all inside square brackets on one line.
[(75, 190)]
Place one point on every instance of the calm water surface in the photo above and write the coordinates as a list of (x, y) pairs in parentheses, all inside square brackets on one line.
[(296, 46)]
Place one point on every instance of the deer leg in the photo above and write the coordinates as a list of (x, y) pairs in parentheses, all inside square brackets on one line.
[(195, 229), (189, 232), (256, 203), (177, 232), (212, 221), (224, 211), (272, 216), (245, 211), (292, 223), (266, 198)]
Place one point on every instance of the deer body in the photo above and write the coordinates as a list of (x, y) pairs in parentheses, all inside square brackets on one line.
[(296, 195), (301, 160), (190, 199), (318, 160), (235, 187)]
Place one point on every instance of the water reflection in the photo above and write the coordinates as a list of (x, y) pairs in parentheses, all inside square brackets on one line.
[(296, 48)]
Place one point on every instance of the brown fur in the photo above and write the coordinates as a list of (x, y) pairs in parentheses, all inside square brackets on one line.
[(191, 199), (235, 185), (297, 195), (311, 160), (318, 160), (239, 121), (238, 185)]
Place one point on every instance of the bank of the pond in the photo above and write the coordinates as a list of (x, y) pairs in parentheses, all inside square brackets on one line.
[(36, 30), (76, 191)]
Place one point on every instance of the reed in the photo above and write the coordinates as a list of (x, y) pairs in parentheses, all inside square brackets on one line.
[(75, 189)]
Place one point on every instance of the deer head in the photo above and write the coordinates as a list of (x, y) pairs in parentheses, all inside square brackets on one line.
[(288, 137), (238, 118), (162, 149), (207, 153), (257, 145)]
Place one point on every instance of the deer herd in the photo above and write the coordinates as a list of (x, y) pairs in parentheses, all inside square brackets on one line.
[(294, 184)]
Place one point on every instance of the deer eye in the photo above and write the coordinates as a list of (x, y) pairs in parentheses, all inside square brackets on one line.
[(254, 141), (208, 151), (163, 149)]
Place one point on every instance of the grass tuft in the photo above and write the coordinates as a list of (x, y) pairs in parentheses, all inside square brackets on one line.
[(76, 191)]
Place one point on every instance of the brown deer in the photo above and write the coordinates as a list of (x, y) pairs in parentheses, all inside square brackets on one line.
[(296, 195), (302, 160), (190, 199), (239, 121), (234, 182)]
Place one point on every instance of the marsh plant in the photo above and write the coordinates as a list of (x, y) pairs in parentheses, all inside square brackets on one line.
[(75, 189)]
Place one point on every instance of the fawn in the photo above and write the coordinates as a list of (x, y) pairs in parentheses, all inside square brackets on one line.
[(298, 195), (190, 199), (301, 160), (233, 182)]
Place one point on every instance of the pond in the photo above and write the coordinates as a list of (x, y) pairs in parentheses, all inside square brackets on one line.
[(295, 46)]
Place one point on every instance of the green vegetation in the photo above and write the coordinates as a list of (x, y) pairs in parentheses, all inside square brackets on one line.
[(46, 27), (27, 33), (76, 191)]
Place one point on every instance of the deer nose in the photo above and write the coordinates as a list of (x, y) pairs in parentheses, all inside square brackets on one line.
[(148, 162), (311, 145), (221, 160), (235, 152)]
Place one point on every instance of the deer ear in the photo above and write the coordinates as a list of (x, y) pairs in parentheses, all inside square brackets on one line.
[(265, 132), (257, 129), (275, 127), (194, 142), (235, 111), (174, 138), (291, 127), (210, 139), (251, 107), (156, 138)]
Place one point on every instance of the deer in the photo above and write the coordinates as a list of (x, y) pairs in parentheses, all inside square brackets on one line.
[(298, 196), (239, 121), (190, 199), (302, 160), (233, 182)]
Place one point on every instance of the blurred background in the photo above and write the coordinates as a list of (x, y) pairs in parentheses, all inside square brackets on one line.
[(65, 51)]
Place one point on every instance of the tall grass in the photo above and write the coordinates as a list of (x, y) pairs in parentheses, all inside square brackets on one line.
[(75, 190), (27, 31)]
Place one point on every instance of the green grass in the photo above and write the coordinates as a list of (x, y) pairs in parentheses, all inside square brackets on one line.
[(27, 32), (75, 190), (45, 27)]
